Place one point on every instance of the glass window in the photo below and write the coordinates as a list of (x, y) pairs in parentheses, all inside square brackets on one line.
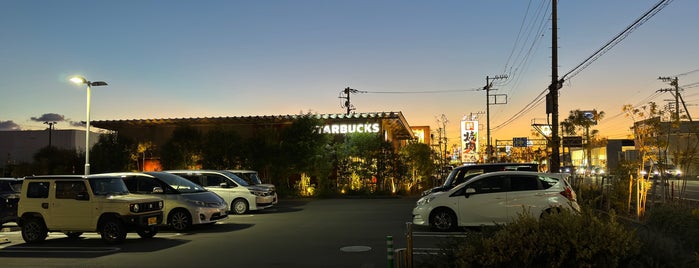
[(108, 186), (524, 183), (466, 174), (146, 185), (547, 182), (38, 189), (178, 184), (493, 184), (69, 189), (216, 180), (198, 179)]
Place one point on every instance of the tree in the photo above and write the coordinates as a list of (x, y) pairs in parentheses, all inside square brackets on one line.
[(583, 120), (52, 160), (646, 126), (139, 156), (112, 153), (358, 157), (303, 149), (261, 152), (222, 149), (418, 157), (183, 150)]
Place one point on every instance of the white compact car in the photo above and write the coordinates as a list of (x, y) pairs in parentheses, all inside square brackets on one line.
[(495, 198)]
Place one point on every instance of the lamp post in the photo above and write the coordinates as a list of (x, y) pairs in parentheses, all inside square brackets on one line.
[(50, 123), (82, 80)]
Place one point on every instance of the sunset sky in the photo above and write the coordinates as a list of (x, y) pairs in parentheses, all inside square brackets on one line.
[(181, 59)]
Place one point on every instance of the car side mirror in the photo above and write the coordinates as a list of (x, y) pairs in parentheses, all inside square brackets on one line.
[(82, 196), (223, 185), (469, 192), (157, 190)]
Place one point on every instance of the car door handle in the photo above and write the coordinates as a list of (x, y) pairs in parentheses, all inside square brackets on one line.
[(45, 205)]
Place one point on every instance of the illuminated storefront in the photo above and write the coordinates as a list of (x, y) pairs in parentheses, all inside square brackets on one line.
[(392, 126)]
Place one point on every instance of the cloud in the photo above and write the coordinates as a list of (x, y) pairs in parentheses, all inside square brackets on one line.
[(77, 123), (8, 125), (49, 117)]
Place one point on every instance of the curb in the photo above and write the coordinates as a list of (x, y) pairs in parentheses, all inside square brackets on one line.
[(11, 227)]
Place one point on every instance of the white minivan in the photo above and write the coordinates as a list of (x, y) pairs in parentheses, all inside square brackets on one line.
[(241, 196), (495, 198), (186, 203)]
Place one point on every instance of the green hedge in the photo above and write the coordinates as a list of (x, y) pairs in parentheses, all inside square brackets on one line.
[(557, 240)]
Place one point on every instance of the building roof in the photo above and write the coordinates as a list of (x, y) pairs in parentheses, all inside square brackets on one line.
[(395, 120)]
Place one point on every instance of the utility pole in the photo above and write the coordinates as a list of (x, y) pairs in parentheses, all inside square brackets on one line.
[(488, 86), (552, 97), (673, 82), (347, 104)]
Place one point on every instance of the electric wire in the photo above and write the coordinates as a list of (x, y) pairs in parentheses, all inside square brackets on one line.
[(618, 38), (596, 55)]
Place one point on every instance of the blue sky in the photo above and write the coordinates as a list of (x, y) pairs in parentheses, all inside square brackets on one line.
[(180, 59)]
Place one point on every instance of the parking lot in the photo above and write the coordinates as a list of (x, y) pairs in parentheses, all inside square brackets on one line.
[(296, 233)]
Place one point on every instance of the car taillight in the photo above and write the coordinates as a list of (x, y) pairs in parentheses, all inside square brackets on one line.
[(568, 193)]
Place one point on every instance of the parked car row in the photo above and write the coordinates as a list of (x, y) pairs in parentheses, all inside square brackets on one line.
[(113, 204)]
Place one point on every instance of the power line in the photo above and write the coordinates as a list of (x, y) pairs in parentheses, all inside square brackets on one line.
[(419, 92), (683, 74), (608, 46), (618, 38)]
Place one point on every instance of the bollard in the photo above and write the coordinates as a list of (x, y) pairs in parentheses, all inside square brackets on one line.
[(389, 246), (409, 248)]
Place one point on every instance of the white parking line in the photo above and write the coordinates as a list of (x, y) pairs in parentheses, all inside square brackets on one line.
[(30, 249)]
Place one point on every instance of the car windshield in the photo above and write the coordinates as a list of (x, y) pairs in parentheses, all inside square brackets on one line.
[(178, 183), (250, 177), (237, 179), (10, 186), (108, 186)]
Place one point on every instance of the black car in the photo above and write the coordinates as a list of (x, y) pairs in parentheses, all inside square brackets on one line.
[(461, 174), (9, 197)]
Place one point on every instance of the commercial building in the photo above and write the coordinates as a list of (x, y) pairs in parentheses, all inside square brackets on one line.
[(19, 146), (392, 126)]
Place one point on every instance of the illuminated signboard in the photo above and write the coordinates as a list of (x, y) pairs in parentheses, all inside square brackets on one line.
[(349, 128), (469, 141)]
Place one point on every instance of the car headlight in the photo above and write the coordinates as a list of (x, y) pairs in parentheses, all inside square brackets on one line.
[(197, 203), (258, 193), (160, 204), (134, 208), (425, 200)]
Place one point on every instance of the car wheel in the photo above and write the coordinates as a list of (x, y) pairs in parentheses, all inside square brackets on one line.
[(73, 235), (112, 231), (180, 220), (240, 206), (443, 220), (148, 232), (34, 230)]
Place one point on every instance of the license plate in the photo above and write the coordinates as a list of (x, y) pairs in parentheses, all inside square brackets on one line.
[(152, 220)]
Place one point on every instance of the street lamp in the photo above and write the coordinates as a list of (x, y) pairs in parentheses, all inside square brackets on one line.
[(82, 80), (50, 123)]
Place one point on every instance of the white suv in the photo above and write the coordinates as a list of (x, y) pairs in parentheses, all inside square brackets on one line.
[(495, 198), (241, 196), (75, 204)]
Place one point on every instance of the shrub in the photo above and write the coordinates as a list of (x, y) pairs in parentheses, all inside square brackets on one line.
[(670, 238), (555, 240)]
